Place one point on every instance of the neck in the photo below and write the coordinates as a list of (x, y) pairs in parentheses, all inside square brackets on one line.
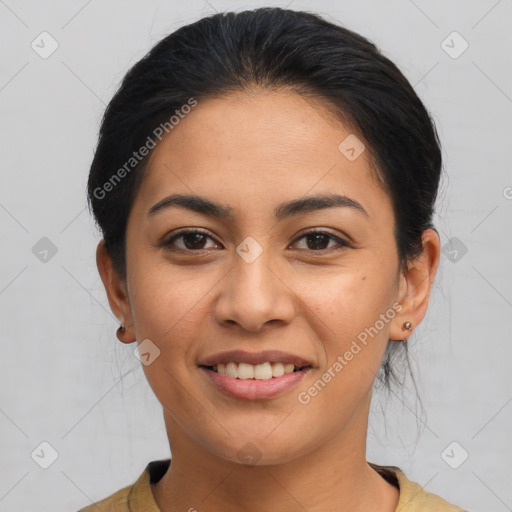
[(335, 476)]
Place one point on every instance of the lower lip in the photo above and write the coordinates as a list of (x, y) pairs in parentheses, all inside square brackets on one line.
[(255, 389)]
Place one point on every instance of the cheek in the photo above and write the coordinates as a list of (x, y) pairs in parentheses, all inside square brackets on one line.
[(348, 311), (352, 315), (348, 302), (166, 310)]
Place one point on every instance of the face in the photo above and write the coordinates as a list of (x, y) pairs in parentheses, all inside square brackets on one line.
[(317, 287)]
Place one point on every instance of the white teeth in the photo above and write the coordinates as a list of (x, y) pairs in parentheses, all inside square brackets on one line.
[(245, 371), (264, 371), (232, 370), (288, 368), (277, 369)]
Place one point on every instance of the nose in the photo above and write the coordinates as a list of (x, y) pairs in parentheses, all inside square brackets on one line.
[(255, 294)]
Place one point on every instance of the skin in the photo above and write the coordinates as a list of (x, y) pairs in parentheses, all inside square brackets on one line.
[(252, 151)]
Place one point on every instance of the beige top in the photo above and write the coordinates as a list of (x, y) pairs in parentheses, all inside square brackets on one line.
[(139, 498)]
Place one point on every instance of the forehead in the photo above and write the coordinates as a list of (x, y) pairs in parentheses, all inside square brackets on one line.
[(285, 124), (261, 147)]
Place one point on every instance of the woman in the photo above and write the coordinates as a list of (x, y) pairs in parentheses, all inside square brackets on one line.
[(265, 184)]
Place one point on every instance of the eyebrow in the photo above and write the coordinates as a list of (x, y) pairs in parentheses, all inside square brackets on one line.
[(210, 208)]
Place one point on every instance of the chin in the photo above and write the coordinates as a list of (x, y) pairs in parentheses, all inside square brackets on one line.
[(258, 450)]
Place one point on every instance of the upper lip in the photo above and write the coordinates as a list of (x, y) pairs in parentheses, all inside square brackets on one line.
[(242, 356)]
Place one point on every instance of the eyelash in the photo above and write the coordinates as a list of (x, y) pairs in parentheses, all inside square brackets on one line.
[(168, 244)]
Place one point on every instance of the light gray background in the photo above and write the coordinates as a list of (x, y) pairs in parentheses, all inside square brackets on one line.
[(66, 380)]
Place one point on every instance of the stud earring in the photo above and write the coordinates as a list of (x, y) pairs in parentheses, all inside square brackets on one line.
[(407, 325)]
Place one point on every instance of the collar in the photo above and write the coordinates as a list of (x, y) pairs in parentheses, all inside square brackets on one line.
[(141, 498)]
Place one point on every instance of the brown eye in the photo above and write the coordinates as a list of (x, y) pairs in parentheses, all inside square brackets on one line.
[(190, 240), (319, 241)]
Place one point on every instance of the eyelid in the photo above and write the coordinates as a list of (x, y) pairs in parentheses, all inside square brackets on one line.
[(341, 242), (187, 230), (322, 231)]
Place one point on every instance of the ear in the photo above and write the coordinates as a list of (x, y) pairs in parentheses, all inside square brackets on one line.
[(115, 287), (415, 286)]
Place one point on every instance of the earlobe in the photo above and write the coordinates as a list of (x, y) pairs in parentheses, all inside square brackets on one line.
[(415, 287), (117, 295), (121, 334)]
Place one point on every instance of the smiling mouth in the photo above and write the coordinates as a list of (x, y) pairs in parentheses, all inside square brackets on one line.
[(264, 371)]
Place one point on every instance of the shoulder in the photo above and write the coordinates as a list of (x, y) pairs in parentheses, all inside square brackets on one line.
[(117, 502), (134, 497), (413, 498)]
